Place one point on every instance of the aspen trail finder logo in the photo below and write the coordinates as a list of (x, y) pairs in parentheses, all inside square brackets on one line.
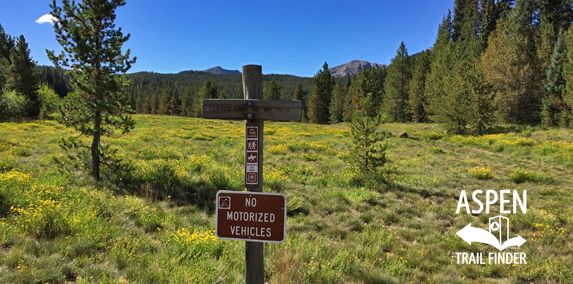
[(498, 235)]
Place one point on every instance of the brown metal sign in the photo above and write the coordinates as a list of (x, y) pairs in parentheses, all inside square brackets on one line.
[(251, 216), (283, 110)]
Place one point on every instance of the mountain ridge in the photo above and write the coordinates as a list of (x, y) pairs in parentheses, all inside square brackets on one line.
[(353, 67), (220, 71)]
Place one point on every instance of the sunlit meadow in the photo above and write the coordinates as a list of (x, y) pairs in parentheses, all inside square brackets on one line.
[(154, 223)]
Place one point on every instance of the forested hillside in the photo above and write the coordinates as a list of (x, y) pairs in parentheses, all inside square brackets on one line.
[(148, 89), (493, 62)]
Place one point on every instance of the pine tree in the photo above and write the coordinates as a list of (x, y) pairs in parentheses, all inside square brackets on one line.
[(139, 104), (418, 97), (440, 64), (174, 104), (165, 107), (554, 85), (23, 77), (365, 82), (556, 12), (396, 87), (96, 66), (453, 103), (510, 64), (545, 45), (339, 94), (298, 95), (146, 107), (185, 109), (488, 23), (154, 104), (6, 46), (207, 91), (319, 100), (348, 108), (272, 91), (460, 7), (368, 154), (567, 112)]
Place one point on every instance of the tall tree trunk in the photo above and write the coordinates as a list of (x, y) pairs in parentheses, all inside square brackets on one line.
[(95, 146)]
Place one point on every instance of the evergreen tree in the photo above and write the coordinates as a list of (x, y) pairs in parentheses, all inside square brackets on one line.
[(146, 106), (368, 154), (556, 12), (348, 108), (504, 7), (174, 104), (185, 109), (339, 94), (207, 91), (96, 66), (365, 82), (488, 23), (165, 106), (439, 66), (566, 114), (272, 91), (139, 104), (553, 86), (6, 45), (460, 7), (452, 104), (396, 87), (319, 100), (154, 104), (418, 97), (510, 65), (23, 77), (298, 95), (545, 45)]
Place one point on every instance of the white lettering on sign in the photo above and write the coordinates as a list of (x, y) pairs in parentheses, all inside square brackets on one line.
[(491, 197), (251, 202), (252, 156), (250, 231), (251, 217)]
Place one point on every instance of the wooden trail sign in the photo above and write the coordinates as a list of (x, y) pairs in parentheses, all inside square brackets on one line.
[(255, 111), (282, 110)]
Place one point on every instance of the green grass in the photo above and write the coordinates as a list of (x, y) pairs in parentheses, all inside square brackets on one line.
[(154, 222)]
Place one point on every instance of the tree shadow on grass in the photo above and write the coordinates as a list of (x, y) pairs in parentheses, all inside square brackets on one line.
[(421, 192), (165, 184)]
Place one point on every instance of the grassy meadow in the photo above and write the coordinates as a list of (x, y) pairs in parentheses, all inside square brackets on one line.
[(154, 222)]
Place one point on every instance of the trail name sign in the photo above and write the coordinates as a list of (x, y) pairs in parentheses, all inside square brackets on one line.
[(280, 110), (251, 216)]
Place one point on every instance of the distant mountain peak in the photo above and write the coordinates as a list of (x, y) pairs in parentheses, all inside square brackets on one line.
[(220, 71), (353, 67)]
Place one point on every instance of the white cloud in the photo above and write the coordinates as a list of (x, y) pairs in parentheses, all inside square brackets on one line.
[(46, 19)]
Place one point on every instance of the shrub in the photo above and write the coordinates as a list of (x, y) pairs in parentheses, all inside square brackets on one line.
[(520, 176), (481, 173), (12, 106), (280, 149), (436, 150)]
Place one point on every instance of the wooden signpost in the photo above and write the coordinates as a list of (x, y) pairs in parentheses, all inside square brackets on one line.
[(255, 111)]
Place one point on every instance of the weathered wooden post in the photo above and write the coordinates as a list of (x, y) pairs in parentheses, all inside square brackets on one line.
[(253, 89), (239, 215)]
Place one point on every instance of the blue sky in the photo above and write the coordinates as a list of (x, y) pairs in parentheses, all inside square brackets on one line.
[(285, 37)]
